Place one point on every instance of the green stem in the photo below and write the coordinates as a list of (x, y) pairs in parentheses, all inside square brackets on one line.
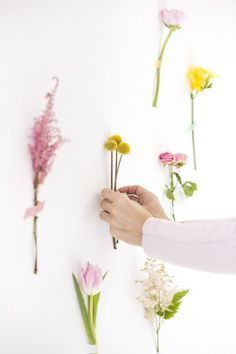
[(35, 219), (91, 315), (117, 171), (158, 70), (111, 170), (173, 189), (117, 166), (113, 187), (157, 325), (192, 128)]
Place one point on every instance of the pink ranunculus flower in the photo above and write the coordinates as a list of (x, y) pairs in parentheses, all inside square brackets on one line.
[(91, 279), (180, 159), (173, 19), (167, 158)]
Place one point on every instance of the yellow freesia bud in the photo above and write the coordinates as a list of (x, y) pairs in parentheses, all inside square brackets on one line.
[(123, 148), (199, 78), (117, 138), (110, 145)]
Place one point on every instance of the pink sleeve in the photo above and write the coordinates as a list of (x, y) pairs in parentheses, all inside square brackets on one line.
[(208, 245)]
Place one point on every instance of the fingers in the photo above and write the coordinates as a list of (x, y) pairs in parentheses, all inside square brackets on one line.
[(136, 190), (107, 205), (109, 194), (134, 198), (105, 216)]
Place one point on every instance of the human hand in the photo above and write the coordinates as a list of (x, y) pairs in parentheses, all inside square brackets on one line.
[(145, 198), (125, 216)]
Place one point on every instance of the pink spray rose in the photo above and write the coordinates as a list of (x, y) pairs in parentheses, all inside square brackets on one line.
[(172, 19), (180, 159), (167, 158), (91, 279)]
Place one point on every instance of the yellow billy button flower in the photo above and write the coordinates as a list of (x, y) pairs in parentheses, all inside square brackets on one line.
[(117, 138), (123, 148), (110, 145), (199, 78)]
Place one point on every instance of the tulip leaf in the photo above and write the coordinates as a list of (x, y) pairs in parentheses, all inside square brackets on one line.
[(95, 303), (84, 312)]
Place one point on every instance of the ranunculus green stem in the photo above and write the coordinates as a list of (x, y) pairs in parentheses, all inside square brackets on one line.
[(158, 70), (192, 129)]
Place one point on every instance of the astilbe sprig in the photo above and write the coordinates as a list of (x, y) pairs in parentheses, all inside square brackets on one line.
[(116, 146), (160, 298), (45, 139)]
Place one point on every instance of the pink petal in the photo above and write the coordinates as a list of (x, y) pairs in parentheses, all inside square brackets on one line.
[(33, 211)]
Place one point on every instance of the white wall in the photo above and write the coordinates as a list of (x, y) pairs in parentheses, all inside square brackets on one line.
[(103, 53)]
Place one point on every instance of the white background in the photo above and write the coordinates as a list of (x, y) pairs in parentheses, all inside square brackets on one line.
[(103, 52)]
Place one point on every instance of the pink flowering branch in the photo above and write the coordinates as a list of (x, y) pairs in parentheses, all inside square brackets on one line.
[(45, 139)]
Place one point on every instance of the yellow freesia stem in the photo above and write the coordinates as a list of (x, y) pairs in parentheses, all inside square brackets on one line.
[(158, 70), (192, 128)]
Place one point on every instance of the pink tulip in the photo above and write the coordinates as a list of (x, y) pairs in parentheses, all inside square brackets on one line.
[(167, 158), (173, 19), (180, 159), (91, 279)]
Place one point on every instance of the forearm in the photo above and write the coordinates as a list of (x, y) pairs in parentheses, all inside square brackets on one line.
[(208, 245)]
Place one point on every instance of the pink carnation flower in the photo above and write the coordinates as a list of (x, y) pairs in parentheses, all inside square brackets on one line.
[(45, 140), (167, 158), (172, 18)]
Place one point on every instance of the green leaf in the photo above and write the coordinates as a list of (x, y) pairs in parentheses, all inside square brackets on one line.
[(175, 304), (84, 312), (189, 188), (95, 303), (170, 193), (178, 177), (95, 308)]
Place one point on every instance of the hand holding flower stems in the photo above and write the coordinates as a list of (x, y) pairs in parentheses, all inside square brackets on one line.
[(90, 283), (115, 144), (172, 19), (160, 298), (199, 80), (176, 161), (45, 140)]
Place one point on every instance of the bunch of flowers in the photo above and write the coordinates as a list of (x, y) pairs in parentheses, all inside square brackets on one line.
[(172, 19), (45, 139), (159, 297), (115, 145), (174, 162), (199, 80), (89, 284)]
